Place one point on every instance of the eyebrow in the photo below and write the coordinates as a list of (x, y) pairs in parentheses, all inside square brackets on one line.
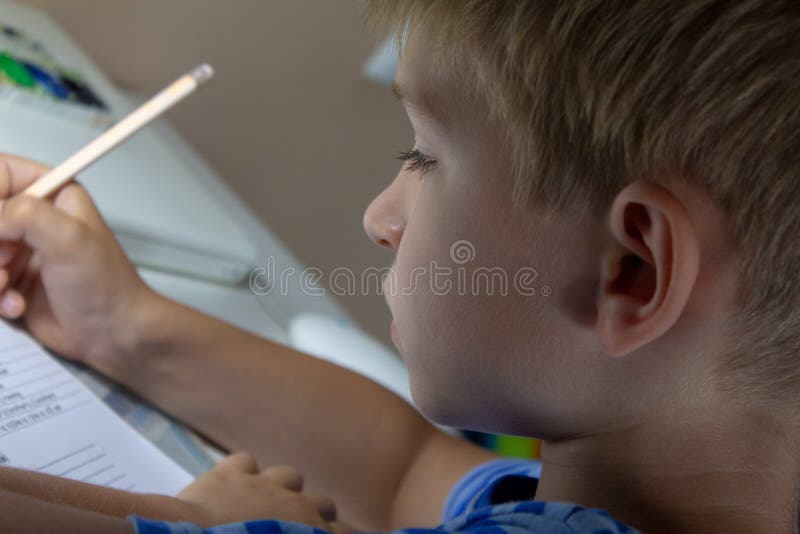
[(398, 90), (407, 96), (426, 108)]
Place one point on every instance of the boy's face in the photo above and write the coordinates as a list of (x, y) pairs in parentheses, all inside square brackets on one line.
[(521, 359)]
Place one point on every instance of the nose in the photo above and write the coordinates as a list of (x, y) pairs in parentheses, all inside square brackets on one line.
[(385, 218)]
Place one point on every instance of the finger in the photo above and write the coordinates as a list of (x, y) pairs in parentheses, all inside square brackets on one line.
[(8, 249), (18, 266), (12, 304), (285, 475), (18, 173), (325, 507), (239, 461), (5, 179), (21, 172), (75, 200), (40, 225), (29, 277)]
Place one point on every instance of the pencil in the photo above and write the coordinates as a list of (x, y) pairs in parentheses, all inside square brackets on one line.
[(121, 131)]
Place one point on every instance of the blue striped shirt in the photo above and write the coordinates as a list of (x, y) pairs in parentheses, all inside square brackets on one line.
[(493, 498)]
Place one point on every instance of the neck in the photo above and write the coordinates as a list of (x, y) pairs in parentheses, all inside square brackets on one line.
[(682, 472)]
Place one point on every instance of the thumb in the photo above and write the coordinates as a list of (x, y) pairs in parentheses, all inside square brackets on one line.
[(75, 200), (40, 225)]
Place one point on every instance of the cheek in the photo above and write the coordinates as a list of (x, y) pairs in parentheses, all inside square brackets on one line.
[(419, 307), (479, 358), (453, 337), (439, 345)]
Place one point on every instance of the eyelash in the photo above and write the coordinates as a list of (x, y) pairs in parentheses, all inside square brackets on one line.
[(416, 161)]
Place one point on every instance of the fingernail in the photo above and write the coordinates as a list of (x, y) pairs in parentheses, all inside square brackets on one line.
[(9, 304)]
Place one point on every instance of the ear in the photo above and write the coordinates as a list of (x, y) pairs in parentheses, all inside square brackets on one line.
[(649, 268)]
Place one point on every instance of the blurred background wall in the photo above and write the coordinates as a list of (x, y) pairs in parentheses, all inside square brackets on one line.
[(289, 121)]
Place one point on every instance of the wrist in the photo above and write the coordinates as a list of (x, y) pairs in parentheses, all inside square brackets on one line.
[(143, 331), (176, 509)]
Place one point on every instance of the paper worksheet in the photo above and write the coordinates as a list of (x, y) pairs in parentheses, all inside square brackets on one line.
[(52, 423)]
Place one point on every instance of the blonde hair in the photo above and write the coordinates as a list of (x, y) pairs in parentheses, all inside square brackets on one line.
[(593, 94)]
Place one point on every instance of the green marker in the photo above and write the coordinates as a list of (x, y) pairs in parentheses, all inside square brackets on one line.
[(16, 72)]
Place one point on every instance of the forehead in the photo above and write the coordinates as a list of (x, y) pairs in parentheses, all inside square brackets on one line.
[(425, 89), (439, 93)]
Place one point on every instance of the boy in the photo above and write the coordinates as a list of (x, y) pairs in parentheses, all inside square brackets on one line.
[(641, 156)]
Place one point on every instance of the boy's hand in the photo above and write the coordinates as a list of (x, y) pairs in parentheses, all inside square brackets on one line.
[(235, 490), (61, 269)]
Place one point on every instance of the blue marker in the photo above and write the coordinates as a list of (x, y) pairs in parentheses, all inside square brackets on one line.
[(48, 82)]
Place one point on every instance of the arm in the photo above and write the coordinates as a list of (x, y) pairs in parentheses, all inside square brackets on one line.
[(22, 513), (234, 490), (89, 497), (381, 462)]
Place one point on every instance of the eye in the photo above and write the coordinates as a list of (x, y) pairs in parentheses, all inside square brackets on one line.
[(416, 161)]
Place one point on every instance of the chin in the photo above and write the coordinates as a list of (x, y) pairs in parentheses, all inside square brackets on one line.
[(430, 405), (438, 407)]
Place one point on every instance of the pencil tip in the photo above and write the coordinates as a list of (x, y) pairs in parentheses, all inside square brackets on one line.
[(202, 73)]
